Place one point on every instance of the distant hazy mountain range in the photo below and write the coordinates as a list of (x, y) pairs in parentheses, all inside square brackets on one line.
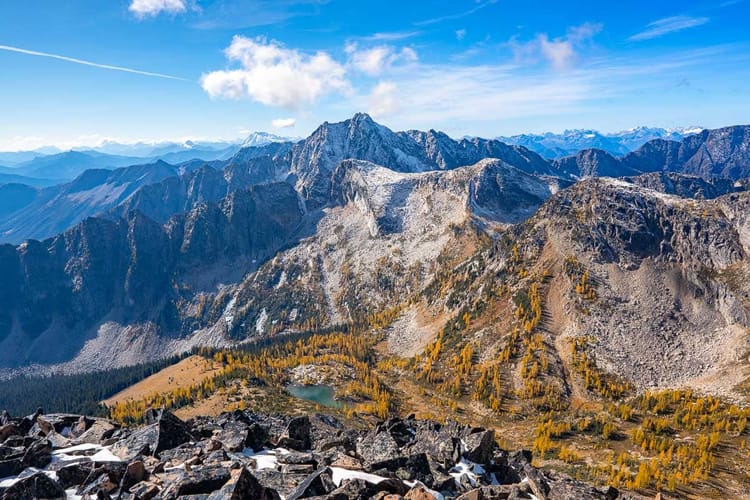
[(46, 166), (49, 194), (570, 142)]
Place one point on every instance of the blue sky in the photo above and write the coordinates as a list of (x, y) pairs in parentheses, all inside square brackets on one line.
[(222, 68)]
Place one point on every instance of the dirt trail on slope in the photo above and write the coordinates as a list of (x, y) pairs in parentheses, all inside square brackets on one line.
[(558, 321)]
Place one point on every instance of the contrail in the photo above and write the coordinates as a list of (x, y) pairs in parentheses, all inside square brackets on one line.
[(88, 63)]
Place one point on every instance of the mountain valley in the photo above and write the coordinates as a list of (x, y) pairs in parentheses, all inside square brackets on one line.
[(587, 306)]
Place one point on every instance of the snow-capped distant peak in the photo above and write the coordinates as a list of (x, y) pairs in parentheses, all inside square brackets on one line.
[(263, 138), (687, 130), (569, 142)]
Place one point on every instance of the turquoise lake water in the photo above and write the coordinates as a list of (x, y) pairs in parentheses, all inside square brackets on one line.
[(321, 394)]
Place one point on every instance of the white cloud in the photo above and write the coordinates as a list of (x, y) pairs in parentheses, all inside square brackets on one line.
[(408, 54), (562, 52), (276, 76), (371, 61), (376, 60), (584, 32), (558, 52), (382, 100), (283, 123), (483, 95), (443, 93), (460, 34), (668, 25), (146, 8)]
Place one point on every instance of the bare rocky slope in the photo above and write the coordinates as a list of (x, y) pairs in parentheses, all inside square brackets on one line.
[(196, 280), (665, 301), (672, 301)]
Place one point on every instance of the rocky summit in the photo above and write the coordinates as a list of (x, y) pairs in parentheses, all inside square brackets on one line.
[(244, 455)]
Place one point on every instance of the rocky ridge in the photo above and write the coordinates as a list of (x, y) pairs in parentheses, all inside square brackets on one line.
[(391, 220), (242, 455), (54, 209), (189, 261), (723, 153), (381, 235), (308, 164)]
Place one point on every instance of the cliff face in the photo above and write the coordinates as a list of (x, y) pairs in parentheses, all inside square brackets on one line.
[(671, 296), (130, 268)]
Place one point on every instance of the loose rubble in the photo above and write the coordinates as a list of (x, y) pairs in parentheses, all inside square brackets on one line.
[(244, 455)]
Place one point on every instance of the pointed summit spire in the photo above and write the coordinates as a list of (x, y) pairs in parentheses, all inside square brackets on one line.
[(362, 117)]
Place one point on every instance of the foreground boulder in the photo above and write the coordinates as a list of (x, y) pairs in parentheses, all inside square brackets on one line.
[(164, 432), (203, 480), (38, 485), (241, 485)]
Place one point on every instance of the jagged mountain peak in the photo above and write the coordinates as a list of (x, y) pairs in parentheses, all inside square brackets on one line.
[(361, 117), (399, 177), (359, 125)]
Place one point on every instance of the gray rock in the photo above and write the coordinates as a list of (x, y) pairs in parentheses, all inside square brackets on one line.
[(8, 430), (200, 480), (165, 433), (480, 446), (98, 432), (243, 485), (144, 490), (377, 446), (38, 454), (74, 474), (296, 436), (38, 485), (316, 484)]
